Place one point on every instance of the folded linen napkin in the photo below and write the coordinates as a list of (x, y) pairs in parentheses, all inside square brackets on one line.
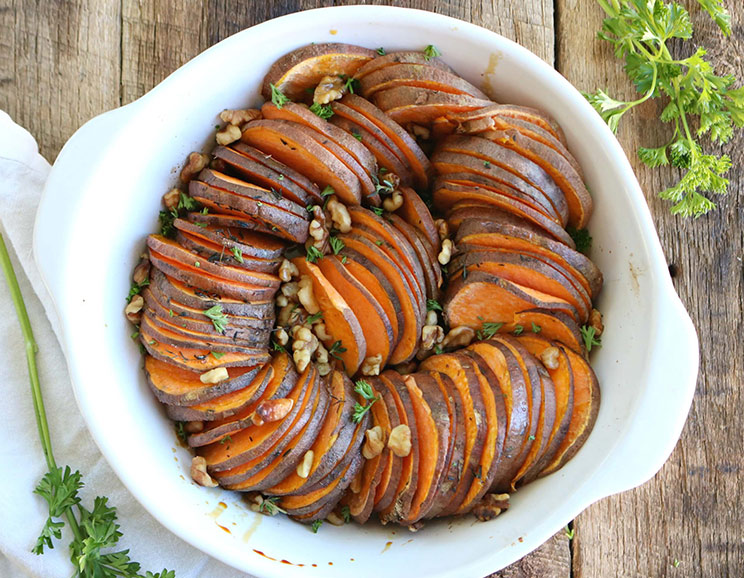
[(22, 514)]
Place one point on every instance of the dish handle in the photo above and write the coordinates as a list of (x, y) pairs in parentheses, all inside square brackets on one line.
[(661, 413)]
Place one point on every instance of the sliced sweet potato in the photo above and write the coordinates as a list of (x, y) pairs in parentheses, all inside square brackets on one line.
[(220, 216), (409, 306), (283, 170), (194, 301), (247, 243), (498, 155), (225, 405), (585, 409), (377, 330), (511, 232), (485, 297), (429, 263), (551, 325), (259, 194), (579, 200), (416, 75), (233, 162), (406, 104), (412, 152), (385, 159), (220, 254), (284, 456), (254, 440), (332, 439), (433, 427), (305, 67), (375, 281), (341, 323), (467, 210), (415, 212), (283, 380), (288, 225), (393, 58), (294, 147), (460, 375), (175, 385), (534, 116), (408, 482), (196, 359), (387, 487), (524, 270), (562, 379)]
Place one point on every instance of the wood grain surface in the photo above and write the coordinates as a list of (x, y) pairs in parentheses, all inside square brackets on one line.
[(63, 62)]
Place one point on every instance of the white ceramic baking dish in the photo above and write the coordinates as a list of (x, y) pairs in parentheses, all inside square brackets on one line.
[(103, 197)]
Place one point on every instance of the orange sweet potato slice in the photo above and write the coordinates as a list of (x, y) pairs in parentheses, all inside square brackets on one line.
[(412, 152), (551, 325), (283, 380), (341, 323), (416, 75), (585, 409), (305, 67), (225, 405), (415, 212), (511, 111), (253, 441), (248, 244), (393, 58), (377, 330), (292, 146), (485, 297), (220, 254), (406, 104), (429, 263), (410, 308), (387, 487)]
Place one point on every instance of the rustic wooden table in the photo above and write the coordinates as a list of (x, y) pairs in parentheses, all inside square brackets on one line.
[(63, 62)]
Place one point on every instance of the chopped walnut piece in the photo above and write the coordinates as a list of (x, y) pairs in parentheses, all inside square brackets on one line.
[(228, 135), (374, 442), (193, 426), (133, 310), (393, 202), (288, 270), (420, 132), (550, 357), (271, 410), (194, 165), (199, 473), (431, 335), (171, 198), (239, 117), (281, 337), (321, 333), (141, 271), (214, 375), (458, 337), (399, 441), (323, 369), (442, 229), (304, 467), (335, 519), (491, 506), (446, 253), (306, 295), (339, 214), (371, 365), (318, 231), (329, 88), (595, 320)]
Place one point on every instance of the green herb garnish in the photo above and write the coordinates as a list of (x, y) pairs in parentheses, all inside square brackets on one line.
[(217, 354), (277, 97), (180, 431), (488, 330), (316, 526), (431, 51), (591, 339), (218, 318), (269, 506), (336, 349), (336, 244), (237, 253), (364, 389), (313, 254), (188, 203), (536, 328), (225, 439), (314, 317), (380, 51), (581, 238), (570, 532), (518, 330), (324, 111), (433, 305)]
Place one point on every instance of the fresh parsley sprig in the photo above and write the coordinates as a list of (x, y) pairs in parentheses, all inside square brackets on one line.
[(488, 330), (640, 31), (218, 318), (364, 389), (590, 337), (278, 97), (95, 533)]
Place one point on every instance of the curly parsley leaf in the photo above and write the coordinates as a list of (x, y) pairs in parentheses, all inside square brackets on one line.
[(364, 389), (431, 51), (278, 97), (218, 318), (324, 111)]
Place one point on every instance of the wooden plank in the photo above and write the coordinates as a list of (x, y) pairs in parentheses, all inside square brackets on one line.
[(691, 511), (59, 65)]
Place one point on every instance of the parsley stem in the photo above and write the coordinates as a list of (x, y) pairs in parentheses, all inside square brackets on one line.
[(31, 350)]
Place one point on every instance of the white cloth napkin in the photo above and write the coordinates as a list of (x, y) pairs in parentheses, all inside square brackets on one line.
[(22, 514)]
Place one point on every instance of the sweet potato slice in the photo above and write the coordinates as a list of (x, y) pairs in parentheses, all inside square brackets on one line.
[(416, 75), (485, 297), (387, 487), (551, 325), (409, 305), (332, 440), (282, 382), (415, 212), (433, 429), (294, 147), (385, 159), (393, 58), (511, 232), (286, 453), (408, 482), (579, 200), (284, 171), (460, 375), (498, 155), (175, 385), (221, 216), (226, 405), (483, 214), (302, 115), (531, 115), (585, 409), (524, 270), (231, 161), (254, 440), (305, 67), (285, 224), (406, 104), (193, 301), (341, 323), (377, 330), (246, 243), (220, 254), (431, 267), (562, 378), (412, 152)]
